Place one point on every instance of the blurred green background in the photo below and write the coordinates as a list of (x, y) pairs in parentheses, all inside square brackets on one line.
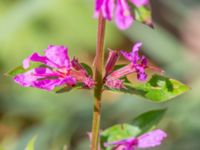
[(61, 122)]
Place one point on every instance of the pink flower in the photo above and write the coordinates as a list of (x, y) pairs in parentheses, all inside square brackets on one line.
[(122, 15), (147, 140), (57, 70), (137, 64)]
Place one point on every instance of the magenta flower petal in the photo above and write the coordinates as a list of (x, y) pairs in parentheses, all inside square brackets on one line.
[(35, 57), (126, 55), (69, 80), (41, 72), (151, 139), (125, 144), (58, 55), (25, 79), (121, 142), (139, 63), (132, 56), (136, 47), (107, 9), (37, 78), (98, 6), (123, 16), (141, 75), (139, 3), (46, 84), (147, 140)]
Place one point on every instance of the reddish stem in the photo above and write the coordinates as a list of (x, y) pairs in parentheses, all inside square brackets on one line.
[(99, 60)]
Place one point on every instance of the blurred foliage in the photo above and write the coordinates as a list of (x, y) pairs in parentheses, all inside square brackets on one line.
[(64, 119)]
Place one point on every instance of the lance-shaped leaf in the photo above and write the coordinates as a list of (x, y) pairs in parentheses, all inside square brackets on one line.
[(20, 69), (63, 89), (157, 89), (143, 14), (148, 120), (30, 145), (88, 69)]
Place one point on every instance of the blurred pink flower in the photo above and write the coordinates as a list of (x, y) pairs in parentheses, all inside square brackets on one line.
[(123, 16), (147, 140), (57, 70)]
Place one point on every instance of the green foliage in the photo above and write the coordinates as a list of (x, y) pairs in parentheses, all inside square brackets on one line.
[(20, 69), (88, 69), (15, 71), (119, 66), (142, 14), (148, 120), (157, 89), (30, 145), (141, 124), (118, 132), (64, 89)]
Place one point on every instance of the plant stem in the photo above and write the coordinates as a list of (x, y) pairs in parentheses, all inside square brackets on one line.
[(99, 62)]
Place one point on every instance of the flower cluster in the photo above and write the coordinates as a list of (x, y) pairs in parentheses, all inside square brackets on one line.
[(123, 15), (57, 70), (137, 64), (147, 140)]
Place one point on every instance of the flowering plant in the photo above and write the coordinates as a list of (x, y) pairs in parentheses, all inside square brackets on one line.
[(55, 71)]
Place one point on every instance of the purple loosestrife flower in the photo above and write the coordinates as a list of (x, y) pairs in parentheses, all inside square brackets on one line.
[(138, 64), (122, 15), (147, 140), (57, 70)]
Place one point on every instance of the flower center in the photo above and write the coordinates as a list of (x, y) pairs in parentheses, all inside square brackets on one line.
[(63, 72)]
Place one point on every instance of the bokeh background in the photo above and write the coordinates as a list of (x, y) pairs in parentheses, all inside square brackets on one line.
[(61, 122)]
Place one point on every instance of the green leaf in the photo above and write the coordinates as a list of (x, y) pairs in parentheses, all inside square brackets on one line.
[(141, 124), (148, 120), (157, 89), (30, 145), (64, 89), (16, 71), (143, 14), (88, 69), (118, 132), (20, 69)]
